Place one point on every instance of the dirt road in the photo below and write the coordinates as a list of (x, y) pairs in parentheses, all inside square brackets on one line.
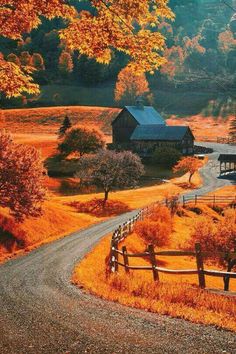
[(41, 312)]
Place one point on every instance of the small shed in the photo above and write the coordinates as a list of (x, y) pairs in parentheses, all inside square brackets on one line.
[(227, 163)]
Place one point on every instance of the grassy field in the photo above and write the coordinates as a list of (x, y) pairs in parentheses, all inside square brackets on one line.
[(59, 218), (175, 296)]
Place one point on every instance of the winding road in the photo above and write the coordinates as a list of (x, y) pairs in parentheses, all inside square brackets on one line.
[(41, 312)]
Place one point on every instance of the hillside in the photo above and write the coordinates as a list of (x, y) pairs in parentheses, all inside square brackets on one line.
[(48, 119)]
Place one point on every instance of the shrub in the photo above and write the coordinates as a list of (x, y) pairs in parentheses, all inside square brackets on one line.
[(153, 232), (161, 213), (215, 236), (166, 156)]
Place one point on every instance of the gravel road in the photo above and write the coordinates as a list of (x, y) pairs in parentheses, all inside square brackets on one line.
[(41, 312)]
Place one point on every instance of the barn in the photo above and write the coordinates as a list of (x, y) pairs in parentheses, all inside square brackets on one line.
[(141, 129)]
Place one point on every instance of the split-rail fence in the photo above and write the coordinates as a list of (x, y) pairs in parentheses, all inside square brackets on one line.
[(121, 257)]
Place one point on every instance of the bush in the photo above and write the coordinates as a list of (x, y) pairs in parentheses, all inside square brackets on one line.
[(153, 232), (161, 213), (166, 156), (218, 236)]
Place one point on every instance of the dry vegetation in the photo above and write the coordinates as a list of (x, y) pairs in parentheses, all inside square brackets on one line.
[(60, 218), (177, 296), (204, 128)]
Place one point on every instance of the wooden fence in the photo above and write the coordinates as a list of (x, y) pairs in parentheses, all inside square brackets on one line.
[(126, 229), (210, 200), (228, 140), (200, 270), (217, 139)]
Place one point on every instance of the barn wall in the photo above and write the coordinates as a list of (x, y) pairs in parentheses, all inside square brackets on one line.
[(123, 127)]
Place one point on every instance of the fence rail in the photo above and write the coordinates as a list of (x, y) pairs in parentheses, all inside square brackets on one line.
[(126, 229), (220, 140), (213, 200), (230, 257)]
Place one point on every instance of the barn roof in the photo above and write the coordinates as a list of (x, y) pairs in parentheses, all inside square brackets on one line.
[(159, 132), (227, 158), (145, 115)]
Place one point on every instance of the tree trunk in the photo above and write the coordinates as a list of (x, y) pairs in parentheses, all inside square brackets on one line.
[(105, 198), (190, 177)]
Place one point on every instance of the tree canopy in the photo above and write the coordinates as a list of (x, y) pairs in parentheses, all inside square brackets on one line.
[(106, 26), (21, 178), (80, 141), (109, 170)]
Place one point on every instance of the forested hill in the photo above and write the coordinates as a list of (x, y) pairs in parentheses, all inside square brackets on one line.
[(201, 53)]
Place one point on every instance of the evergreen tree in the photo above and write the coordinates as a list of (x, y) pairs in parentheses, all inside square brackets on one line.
[(65, 126)]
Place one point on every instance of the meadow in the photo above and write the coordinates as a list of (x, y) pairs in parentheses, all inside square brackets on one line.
[(175, 296)]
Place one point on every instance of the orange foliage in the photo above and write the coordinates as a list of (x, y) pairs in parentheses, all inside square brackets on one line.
[(174, 296), (109, 25), (215, 235), (175, 60), (188, 164), (130, 85), (155, 229), (226, 41), (57, 220), (153, 232), (96, 207)]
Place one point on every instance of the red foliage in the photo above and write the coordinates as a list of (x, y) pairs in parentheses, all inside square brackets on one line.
[(21, 178), (96, 207)]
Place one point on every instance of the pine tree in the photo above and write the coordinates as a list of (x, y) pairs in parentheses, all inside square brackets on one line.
[(65, 126)]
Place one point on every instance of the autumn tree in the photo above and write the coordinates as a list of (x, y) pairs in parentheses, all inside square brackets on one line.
[(131, 85), (37, 61), (66, 124), (65, 64), (96, 33), (21, 178), (110, 169), (233, 127), (189, 165), (79, 141), (13, 58), (25, 59)]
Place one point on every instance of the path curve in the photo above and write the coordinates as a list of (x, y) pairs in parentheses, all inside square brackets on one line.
[(41, 312)]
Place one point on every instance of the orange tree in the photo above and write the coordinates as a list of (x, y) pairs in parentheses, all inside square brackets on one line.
[(80, 141), (21, 178), (188, 164), (127, 26), (130, 85)]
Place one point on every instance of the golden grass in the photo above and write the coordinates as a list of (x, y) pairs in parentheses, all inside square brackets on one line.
[(177, 296), (140, 197), (204, 127), (58, 220), (48, 119)]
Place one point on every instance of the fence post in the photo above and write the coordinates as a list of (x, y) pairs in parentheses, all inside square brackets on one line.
[(195, 199), (115, 247), (112, 257), (126, 259), (183, 201), (119, 231), (153, 262), (200, 266)]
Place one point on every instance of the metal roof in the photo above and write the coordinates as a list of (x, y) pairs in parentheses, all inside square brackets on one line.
[(145, 115), (227, 158), (159, 132)]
